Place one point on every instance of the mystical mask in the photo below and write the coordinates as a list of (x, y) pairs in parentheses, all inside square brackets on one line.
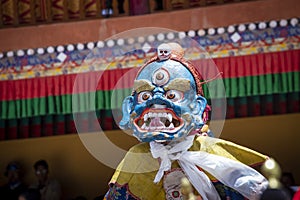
[(165, 104)]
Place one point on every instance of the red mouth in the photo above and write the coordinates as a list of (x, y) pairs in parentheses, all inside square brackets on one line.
[(154, 119)]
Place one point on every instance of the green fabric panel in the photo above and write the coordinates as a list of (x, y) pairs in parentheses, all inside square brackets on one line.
[(276, 84), (262, 85), (296, 77), (255, 86), (105, 100), (270, 83), (252, 103), (242, 91), (11, 109)]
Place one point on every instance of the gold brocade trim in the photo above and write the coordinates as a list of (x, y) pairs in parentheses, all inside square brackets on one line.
[(73, 9), (57, 9), (24, 11), (8, 12), (90, 8)]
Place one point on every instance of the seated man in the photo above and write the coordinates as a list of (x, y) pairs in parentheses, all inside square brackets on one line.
[(14, 185), (167, 113)]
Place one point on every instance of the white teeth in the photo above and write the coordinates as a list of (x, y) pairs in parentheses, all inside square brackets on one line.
[(145, 117), (169, 116), (152, 115), (144, 126)]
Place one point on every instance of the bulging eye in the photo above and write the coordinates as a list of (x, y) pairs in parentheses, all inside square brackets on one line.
[(174, 95), (144, 96)]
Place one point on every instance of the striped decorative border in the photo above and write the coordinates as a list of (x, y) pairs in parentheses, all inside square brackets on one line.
[(243, 39)]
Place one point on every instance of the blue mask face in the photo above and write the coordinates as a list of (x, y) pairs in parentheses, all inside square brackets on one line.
[(165, 105)]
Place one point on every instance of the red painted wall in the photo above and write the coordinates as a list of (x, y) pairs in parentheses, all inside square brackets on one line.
[(181, 20)]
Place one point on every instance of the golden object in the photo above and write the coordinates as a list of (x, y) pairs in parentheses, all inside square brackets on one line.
[(204, 128), (176, 48), (187, 190), (272, 171)]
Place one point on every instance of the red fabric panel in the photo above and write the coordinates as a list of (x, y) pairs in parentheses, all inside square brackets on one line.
[(48, 129), (255, 109), (35, 130), (24, 133), (71, 128), (256, 64), (12, 132), (269, 108), (65, 84), (242, 110), (60, 128)]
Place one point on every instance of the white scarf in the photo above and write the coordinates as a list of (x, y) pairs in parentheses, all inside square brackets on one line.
[(234, 174)]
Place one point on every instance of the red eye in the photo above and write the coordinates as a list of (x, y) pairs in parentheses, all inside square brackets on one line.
[(174, 95), (171, 96), (144, 96)]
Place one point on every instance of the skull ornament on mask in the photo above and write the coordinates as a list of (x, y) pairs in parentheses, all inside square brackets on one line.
[(163, 52), (166, 103)]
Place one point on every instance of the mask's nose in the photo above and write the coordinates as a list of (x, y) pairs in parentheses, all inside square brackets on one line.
[(158, 100)]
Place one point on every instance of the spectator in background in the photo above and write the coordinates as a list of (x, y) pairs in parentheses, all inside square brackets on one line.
[(30, 194), (121, 6), (288, 182), (50, 189), (159, 5), (275, 194), (14, 186), (107, 8)]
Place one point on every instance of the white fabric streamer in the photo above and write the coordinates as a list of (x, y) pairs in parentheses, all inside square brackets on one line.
[(234, 174)]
